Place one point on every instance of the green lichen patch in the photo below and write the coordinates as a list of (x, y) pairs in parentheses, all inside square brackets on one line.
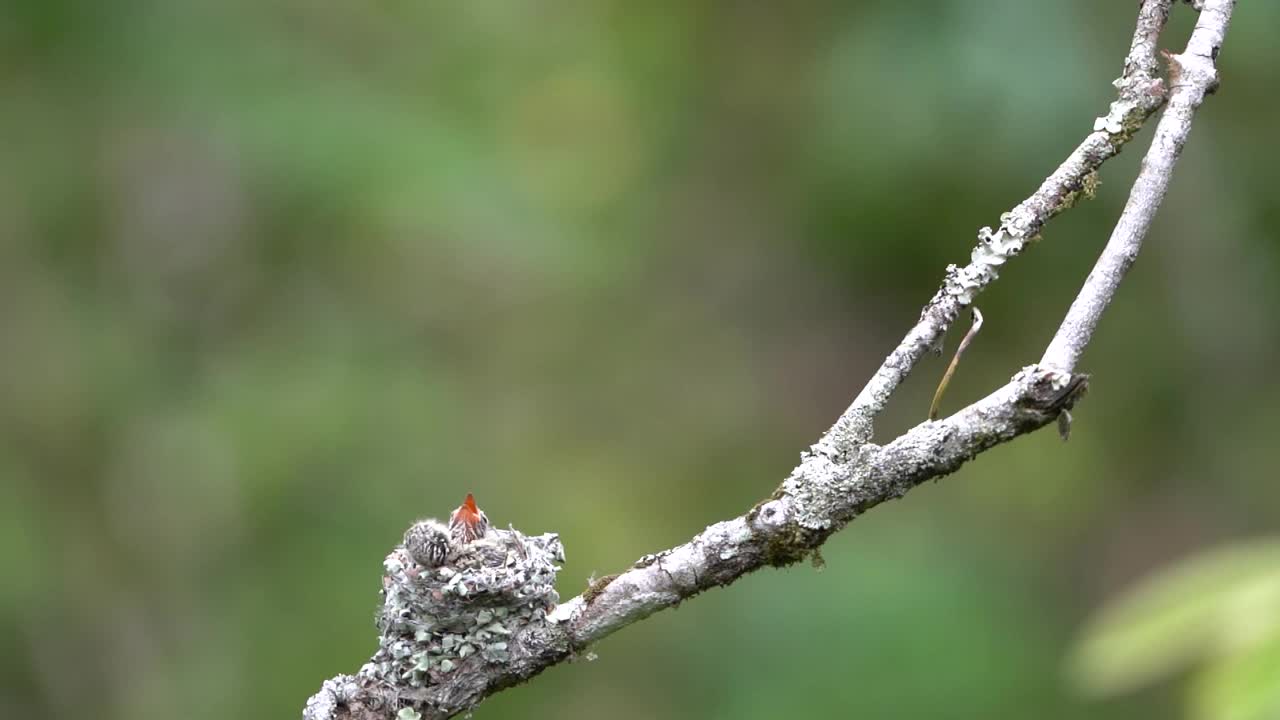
[(1087, 189), (597, 586), (790, 544), (1089, 186), (819, 563)]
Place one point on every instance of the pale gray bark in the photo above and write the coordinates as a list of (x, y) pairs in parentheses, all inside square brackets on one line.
[(845, 474), (1140, 93), (1193, 75)]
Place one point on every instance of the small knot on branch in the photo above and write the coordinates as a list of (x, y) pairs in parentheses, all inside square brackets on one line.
[(1050, 391)]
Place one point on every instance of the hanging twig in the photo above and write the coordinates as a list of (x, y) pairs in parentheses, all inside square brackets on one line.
[(955, 360)]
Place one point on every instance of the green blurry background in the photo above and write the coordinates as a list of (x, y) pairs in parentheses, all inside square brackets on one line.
[(278, 278)]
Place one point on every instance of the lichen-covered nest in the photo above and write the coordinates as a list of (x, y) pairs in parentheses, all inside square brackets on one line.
[(439, 620)]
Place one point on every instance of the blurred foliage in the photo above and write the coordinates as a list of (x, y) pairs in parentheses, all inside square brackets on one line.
[(277, 278), (1221, 608)]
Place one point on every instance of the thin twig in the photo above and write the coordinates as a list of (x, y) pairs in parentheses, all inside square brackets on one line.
[(1193, 76), (955, 360), (1140, 93)]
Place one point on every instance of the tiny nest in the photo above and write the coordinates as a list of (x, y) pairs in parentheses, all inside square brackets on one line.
[(467, 612)]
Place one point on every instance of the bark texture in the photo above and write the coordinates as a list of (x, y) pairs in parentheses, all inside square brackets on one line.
[(842, 475)]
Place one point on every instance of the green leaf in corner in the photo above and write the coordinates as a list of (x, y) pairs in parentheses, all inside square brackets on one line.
[(1219, 601), (1245, 686)]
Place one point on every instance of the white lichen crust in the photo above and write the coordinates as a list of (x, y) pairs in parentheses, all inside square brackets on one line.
[(335, 692), (437, 622)]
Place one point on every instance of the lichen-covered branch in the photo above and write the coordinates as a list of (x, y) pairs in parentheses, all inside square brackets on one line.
[(1140, 93), (1192, 76), (819, 498), (422, 669), (469, 610)]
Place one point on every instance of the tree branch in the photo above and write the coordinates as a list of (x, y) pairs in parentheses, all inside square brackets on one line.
[(1193, 76), (422, 669), (1140, 93), (819, 498)]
